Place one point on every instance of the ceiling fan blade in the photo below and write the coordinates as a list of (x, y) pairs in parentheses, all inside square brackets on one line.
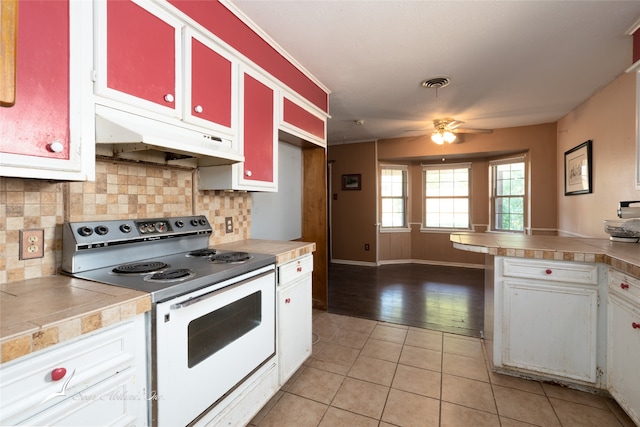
[(454, 124), (462, 130)]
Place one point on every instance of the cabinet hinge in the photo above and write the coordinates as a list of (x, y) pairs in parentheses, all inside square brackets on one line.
[(94, 75), (599, 372), (598, 300)]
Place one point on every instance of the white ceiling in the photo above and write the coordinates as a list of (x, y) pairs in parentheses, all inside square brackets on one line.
[(511, 63)]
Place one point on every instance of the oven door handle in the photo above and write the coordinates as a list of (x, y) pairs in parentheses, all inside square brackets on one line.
[(206, 296)]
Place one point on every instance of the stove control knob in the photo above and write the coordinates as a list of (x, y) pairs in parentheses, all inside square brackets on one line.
[(143, 228), (85, 231), (125, 228), (203, 221), (160, 226), (194, 222), (179, 223), (101, 230)]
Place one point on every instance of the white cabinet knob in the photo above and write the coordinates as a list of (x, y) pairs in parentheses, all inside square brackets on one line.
[(248, 173), (56, 147), (198, 109), (168, 97)]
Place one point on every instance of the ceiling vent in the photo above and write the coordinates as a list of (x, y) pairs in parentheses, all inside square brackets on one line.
[(436, 82)]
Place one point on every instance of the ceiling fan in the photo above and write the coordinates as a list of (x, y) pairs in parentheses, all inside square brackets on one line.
[(444, 130)]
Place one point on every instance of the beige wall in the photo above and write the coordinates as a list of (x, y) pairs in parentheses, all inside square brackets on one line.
[(353, 213), (352, 217), (608, 118), (121, 190)]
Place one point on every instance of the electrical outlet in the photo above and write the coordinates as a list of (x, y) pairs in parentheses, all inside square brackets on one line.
[(31, 243), (228, 224)]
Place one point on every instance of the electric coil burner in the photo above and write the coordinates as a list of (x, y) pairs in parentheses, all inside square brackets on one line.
[(231, 257), (175, 275), (202, 253), (139, 268)]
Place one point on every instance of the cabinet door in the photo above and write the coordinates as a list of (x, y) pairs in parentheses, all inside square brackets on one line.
[(37, 120), (36, 138), (210, 92), (139, 55), (550, 328), (294, 326), (623, 375), (299, 121), (105, 380), (259, 133)]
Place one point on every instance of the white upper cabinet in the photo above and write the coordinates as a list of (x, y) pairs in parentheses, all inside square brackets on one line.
[(211, 84), (258, 137), (149, 60), (300, 120), (138, 56), (47, 133)]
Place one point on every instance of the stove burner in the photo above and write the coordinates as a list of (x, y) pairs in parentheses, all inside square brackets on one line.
[(173, 275), (202, 253), (144, 267), (230, 257)]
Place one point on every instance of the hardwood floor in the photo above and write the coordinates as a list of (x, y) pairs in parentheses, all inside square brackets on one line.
[(448, 299)]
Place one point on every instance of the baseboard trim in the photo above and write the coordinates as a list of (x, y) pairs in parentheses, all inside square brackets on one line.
[(351, 262), (408, 261)]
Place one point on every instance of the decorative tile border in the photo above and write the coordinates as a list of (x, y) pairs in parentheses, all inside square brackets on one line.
[(625, 267), (71, 328)]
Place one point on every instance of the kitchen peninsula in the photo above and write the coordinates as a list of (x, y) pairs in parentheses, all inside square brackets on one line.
[(563, 309)]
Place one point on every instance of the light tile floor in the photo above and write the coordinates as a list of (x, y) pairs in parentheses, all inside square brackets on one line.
[(368, 373)]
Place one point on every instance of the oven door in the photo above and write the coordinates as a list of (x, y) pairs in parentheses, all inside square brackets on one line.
[(209, 341)]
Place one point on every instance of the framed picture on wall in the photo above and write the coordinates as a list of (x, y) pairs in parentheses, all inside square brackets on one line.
[(351, 182), (577, 170)]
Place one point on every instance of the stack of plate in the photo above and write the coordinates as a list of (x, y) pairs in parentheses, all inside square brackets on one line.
[(623, 230)]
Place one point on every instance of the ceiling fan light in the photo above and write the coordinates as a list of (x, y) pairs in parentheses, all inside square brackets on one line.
[(437, 138), (448, 136)]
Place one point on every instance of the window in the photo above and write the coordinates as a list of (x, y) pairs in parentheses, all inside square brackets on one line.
[(393, 196), (508, 195), (447, 201)]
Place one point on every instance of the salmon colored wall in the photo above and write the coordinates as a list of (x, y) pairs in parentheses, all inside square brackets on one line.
[(608, 118), (538, 142), (353, 213)]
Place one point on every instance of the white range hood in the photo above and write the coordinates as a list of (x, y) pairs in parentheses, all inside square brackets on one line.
[(131, 135)]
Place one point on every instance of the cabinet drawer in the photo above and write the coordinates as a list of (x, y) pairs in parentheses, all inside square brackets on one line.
[(625, 286), (26, 386), (292, 270), (556, 271), (105, 403)]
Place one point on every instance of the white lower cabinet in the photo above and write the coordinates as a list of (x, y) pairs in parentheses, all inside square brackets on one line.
[(103, 381), (547, 318), (623, 373), (294, 315)]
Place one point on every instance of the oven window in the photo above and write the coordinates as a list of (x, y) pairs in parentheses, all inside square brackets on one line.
[(216, 330)]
